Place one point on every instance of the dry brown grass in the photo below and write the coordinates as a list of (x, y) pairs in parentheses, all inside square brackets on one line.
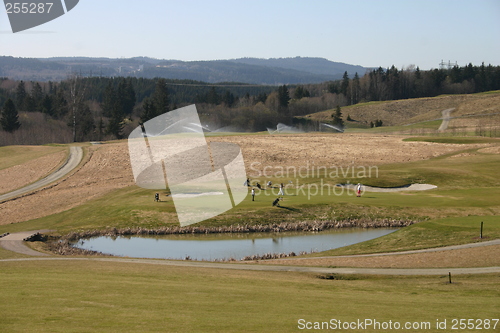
[(108, 166), (26, 173), (485, 256), (420, 109), (327, 150)]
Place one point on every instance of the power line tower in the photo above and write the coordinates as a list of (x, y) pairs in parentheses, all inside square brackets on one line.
[(449, 65)]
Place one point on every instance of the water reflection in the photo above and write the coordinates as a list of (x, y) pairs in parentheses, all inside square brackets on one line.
[(225, 246)]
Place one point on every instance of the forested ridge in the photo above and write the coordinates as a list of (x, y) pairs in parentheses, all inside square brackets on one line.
[(98, 108)]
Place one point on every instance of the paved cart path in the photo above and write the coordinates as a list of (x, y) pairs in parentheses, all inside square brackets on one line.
[(15, 243), (74, 158), (281, 268)]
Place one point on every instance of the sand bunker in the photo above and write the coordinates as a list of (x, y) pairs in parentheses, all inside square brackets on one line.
[(412, 187)]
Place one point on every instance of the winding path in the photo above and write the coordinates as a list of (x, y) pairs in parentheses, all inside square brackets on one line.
[(446, 119), (74, 158)]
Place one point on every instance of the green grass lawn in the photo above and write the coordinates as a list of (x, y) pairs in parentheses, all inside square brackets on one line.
[(428, 234), (93, 296)]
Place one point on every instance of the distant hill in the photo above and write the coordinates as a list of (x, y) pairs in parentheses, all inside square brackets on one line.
[(233, 71), (318, 66), (245, 70)]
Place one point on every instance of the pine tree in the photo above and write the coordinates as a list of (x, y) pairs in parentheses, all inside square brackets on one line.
[(21, 96), (337, 117), (85, 123), (148, 110), (333, 88), (355, 89), (228, 98), (161, 99), (29, 104), (283, 96), (345, 83), (301, 92), (37, 97), (115, 125), (262, 97), (109, 101), (418, 75), (125, 95), (46, 106), (9, 118), (213, 97), (59, 104)]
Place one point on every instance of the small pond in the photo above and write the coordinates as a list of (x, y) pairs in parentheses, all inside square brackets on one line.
[(225, 246)]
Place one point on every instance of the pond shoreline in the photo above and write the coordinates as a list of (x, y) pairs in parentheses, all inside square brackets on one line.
[(275, 227), (65, 244)]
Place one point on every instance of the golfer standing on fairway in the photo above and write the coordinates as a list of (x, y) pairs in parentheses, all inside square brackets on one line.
[(358, 190), (253, 194)]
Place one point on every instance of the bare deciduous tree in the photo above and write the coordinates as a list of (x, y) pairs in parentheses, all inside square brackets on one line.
[(76, 99)]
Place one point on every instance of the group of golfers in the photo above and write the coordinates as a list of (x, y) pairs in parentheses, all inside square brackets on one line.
[(281, 192)]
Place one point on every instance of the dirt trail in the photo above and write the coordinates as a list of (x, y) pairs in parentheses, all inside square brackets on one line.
[(446, 120)]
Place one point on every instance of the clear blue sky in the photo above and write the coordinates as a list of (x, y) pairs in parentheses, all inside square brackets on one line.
[(368, 33)]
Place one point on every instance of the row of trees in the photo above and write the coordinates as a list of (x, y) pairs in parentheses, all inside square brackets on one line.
[(52, 102), (411, 82), (95, 108), (9, 118)]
